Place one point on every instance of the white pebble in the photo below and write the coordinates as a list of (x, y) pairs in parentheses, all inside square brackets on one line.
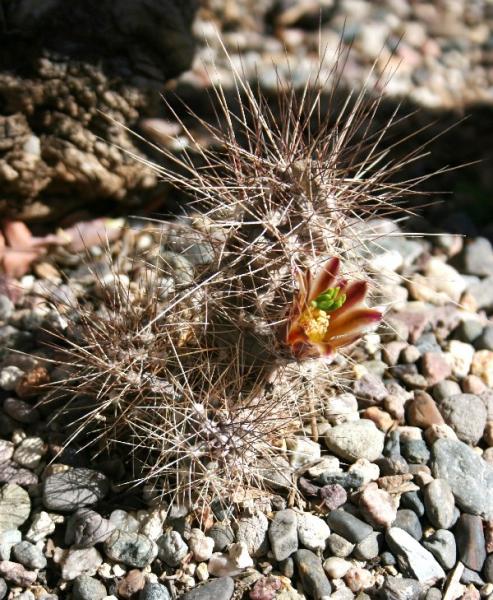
[(336, 567)]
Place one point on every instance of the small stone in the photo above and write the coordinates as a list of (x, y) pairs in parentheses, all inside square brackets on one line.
[(471, 546), (482, 293), (358, 579), (217, 589), (88, 588), (238, 553), (466, 414), (333, 495), (21, 411), (488, 569), (157, 591), (435, 367), (461, 355), (9, 377), (313, 532), (337, 408), (485, 340), (401, 588), (377, 506), (369, 390), (415, 452), (29, 556), (472, 384), (78, 562), (468, 330), (437, 432), (365, 470), (10, 472), (15, 506), (442, 545), (408, 520), (133, 582), (439, 502), (223, 536), (132, 549), (336, 567), (339, 546), (221, 565), (124, 521), (73, 489), (422, 411), (477, 257), (4, 589), (6, 450), (41, 526), (354, 440), (29, 452), (311, 574), (283, 534), (200, 545), (444, 389), (17, 574), (302, 451), (8, 539), (6, 309), (253, 532), (348, 526), (368, 548), (414, 560), (265, 588), (482, 366), (85, 528)]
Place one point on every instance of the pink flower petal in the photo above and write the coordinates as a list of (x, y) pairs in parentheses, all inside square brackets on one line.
[(355, 294), (324, 279), (354, 321)]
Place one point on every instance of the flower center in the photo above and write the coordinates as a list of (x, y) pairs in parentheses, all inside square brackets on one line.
[(315, 323), (329, 300)]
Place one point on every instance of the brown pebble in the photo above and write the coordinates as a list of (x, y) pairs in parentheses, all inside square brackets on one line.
[(471, 543), (435, 367), (488, 433), (333, 495), (31, 383), (132, 583), (382, 419), (472, 384), (394, 405), (422, 411)]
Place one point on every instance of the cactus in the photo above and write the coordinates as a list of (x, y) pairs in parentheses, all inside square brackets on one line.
[(217, 342)]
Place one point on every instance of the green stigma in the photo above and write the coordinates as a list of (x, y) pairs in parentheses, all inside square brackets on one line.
[(329, 300)]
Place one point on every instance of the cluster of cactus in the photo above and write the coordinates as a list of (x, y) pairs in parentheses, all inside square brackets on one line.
[(213, 338)]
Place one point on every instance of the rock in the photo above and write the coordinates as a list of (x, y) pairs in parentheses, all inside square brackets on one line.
[(488, 569), (88, 588), (3, 589), (131, 584), (217, 589), (485, 340), (313, 532), (265, 588), (377, 506), (338, 408), (6, 450), (29, 452), (283, 534), (73, 489), (400, 588), (223, 536), (78, 562), (200, 545), (17, 574), (336, 567), (358, 579), (369, 390), (461, 355), (132, 549), (471, 546), (444, 389), (157, 591), (437, 432), (439, 503), (10, 472), (8, 539), (253, 532), (442, 545), (412, 500), (470, 477), (466, 414), (365, 469), (222, 565), (482, 292), (333, 495), (339, 546), (354, 440), (368, 548), (477, 257), (85, 528), (302, 451), (422, 411), (238, 553), (482, 366), (408, 520), (414, 560), (311, 574), (15, 506), (468, 331), (415, 452), (124, 521), (435, 367), (29, 556), (21, 411), (348, 526), (41, 526), (276, 473)]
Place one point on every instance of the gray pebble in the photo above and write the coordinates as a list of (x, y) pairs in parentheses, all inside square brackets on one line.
[(433, 594), (485, 340), (217, 589), (75, 488), (88, 588), (369, 547), (339, 546), (482, 292), (488, 568), (408, 520), (471, 545), (400, 588), (355, 439), (21, 411), (439, 503), (445, 389), (222, 534), (253, 532), (477, 257), (29, 555), (415, 451), (172, 548), (311, 574), (85, 528), (413, 501), (6, 307), (3, 588), (132, 549), (154, 591), (466, 414), (283, 534), (469, 576), (468, 331), (388, 559), (348, 526), (442, 545)]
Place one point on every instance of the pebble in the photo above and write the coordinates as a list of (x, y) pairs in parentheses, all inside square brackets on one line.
[(217, 589), (377, 506), (422, 411), (124, 521), (253, 532), (85, 528), (488, 568), (477, 257), (485, 340), (29, 555), (413, 501), (21, 411), (17, 574), (131, 584), (368, 548), (339, 546), (469, 537), (73, 489), (468, 330), (222, 565), (41, 526), (88, 588), (482, 292), (401, 588), (348, 526), (354, 440), (482, 366), (333, 495), (461, 355), (3, 589), (6, 307), (77, 562), (283, 534), (442, 545), (313, 532), (29, 452), (435, 367), (444, 389), (470, 477), (414, 560), (200, 545), (132, 549), (6, 450), (415, 451), (223, 536), (15, 506), (466, 414), (338, 408), (336, 567), (10, 472), (358, 579), (408, 520), (157, 591), (439, 503), (369, 390), (265, 588), (8, 539), (311, 574), (302, 451)]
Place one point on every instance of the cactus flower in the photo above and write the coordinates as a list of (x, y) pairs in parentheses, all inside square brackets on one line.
[(328, 312)]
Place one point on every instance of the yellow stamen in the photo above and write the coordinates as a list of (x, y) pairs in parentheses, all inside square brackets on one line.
[(315, 323)]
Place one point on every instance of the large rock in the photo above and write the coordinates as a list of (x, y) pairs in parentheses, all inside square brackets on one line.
[(469, 476), (355, 439), (466, 414), (73, 489)]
